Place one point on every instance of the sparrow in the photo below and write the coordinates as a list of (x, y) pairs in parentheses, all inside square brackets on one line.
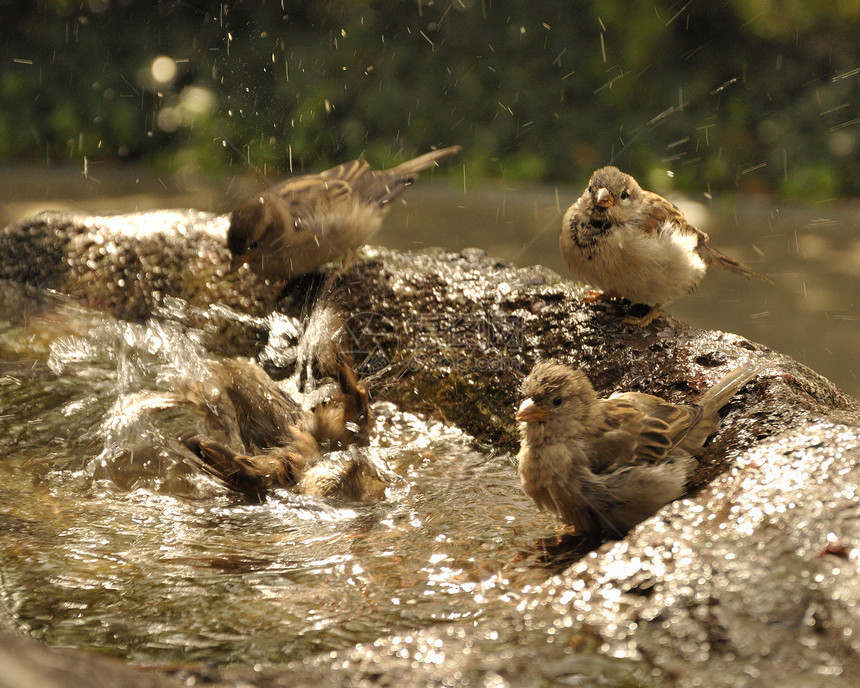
[(608, 464), (257, 437), (635, 244), (293, 228), (281, 444), (343, 476)]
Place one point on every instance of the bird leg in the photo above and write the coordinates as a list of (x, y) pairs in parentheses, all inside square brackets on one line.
[(644, 320)]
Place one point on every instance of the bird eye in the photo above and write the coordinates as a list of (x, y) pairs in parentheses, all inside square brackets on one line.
[(556, 401), (625, 195), (254, 244)]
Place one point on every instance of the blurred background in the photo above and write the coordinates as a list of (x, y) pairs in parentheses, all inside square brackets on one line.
[(745, 112)]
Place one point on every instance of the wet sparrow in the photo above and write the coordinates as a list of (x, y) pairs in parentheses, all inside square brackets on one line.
[(610, 463), (348, 476), (282, 445), (634, 243), (293, 228), (258, 437)]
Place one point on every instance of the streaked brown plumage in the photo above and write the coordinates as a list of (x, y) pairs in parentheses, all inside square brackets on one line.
[(610, 463), (293, 228), (281, 445), (634, 243)]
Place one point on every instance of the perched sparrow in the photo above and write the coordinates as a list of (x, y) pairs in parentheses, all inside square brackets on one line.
[(610, 463), (292, 229), (634, 243)]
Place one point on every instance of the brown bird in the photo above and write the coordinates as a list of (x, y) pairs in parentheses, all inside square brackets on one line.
[(634, 243), (292, 229), (281, 445), (610, 463), (258, 437), (303, 466)]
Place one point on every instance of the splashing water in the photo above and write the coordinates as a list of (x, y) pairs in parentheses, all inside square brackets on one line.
[(111, 538)]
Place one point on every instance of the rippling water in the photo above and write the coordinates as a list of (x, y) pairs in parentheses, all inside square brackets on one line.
[(153, 560)]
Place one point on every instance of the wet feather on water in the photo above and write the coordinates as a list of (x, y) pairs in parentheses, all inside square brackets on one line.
[(283, 446)]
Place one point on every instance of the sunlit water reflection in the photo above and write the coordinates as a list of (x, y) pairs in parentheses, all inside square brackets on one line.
[(158, 563)]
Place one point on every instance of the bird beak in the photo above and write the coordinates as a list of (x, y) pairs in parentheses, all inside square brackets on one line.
[(604, 199), (530, 412)]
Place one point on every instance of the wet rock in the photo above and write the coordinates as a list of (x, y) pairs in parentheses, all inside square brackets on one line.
[(136, 265), (454, 334), (751, 580)]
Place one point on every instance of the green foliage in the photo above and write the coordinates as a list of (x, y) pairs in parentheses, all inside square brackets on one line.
[(741, 94)]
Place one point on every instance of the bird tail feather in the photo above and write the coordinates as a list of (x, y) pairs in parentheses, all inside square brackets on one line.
[(380, 187), (727, 386), (721, 260), (422, 162)]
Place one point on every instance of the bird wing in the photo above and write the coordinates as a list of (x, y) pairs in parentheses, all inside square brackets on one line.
[(380, 187), (346, 418), (263, 411), (250, 475), (275, 469), (355, 181), (352, 180), (316, 201), (638, 429), (657, 211), (348, 172), (307, 194)]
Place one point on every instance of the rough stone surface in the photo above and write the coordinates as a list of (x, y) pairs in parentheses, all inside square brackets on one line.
[(132, 265), (751, 580)]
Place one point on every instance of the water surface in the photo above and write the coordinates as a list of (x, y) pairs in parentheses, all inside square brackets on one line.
[(148, 558)]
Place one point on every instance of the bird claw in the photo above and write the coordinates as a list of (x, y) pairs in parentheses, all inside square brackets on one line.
[(644, 320)]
